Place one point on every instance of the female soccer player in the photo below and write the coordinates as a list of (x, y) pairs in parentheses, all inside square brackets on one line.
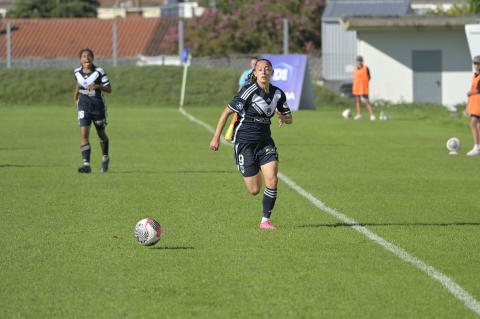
[(254, 149), (88, 99), (473, 108)]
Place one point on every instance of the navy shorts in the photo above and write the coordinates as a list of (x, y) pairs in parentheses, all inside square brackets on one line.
[(92, 110), (250, 156)]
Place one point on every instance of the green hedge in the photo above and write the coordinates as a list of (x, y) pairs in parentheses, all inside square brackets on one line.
[(132, 86)]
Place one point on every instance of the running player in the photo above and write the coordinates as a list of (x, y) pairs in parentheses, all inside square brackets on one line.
[(361, 78), (254, 149), (91, 82), (473, 108)]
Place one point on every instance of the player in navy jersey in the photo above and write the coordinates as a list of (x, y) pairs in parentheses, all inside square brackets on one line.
[(91, 82), (254, 149)]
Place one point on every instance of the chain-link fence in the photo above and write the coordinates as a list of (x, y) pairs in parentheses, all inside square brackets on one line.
[(135, 40)]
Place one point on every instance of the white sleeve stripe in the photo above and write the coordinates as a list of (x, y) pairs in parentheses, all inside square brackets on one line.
[(249, 91), (231, 108)]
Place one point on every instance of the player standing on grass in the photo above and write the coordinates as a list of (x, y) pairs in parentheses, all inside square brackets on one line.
[(361, 78), (473, 107), (254, 149), (88, 99)]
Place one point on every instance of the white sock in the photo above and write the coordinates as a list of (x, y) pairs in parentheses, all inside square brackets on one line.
[(477, 146), (105, 157), (265, 219)]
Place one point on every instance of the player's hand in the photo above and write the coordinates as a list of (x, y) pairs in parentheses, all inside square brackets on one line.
[(92, 87), (214, 144)]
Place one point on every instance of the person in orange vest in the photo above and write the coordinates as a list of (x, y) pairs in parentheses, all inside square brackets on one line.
[(361, 77), (473, 107)]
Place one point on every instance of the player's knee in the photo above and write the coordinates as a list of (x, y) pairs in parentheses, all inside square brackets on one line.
[(254, 190), (271, 181)]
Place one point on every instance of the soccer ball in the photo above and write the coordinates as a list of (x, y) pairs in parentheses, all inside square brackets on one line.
[(148, 232), (453, 145), (347, 113)]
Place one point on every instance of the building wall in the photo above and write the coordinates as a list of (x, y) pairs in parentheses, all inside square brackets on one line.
[(339, 49), (388, 54)]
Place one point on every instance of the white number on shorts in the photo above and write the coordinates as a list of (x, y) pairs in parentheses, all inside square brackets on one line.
[(240, 159), (81, 114)]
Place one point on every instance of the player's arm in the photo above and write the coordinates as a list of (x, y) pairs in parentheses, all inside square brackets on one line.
[(215, 142), (474, 91), (75, 96), (368, 74), (283, 111)]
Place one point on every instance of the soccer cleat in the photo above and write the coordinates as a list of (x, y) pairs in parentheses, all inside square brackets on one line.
[(85, 169), (267, 225), (474, 152), (358, 117), (104, 167), (373, 117)]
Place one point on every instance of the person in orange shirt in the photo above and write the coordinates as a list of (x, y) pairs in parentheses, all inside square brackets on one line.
[(361, 77), (473, 107)]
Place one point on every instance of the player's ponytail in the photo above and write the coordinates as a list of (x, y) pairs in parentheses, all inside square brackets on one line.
[(251, 76)]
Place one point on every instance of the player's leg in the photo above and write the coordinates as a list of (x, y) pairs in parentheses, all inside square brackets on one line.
[(357, 106), (269, 171), (100, 124), (85, 147), (268, 159), (253, 183), (369, 108), (474, 127)]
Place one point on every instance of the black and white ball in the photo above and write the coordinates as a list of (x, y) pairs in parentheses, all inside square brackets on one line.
[(453, 145), (347, 113), (148, 232)]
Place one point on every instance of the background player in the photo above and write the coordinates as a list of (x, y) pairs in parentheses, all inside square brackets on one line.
[(88, 99), (473, 108), (361, 78), (254, 150), (241, 82)]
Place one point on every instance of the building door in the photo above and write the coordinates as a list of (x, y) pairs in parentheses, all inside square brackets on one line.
[(427, 76)]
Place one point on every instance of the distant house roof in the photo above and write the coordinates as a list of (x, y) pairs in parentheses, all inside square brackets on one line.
[(412, 21), (373, 8), (129, 3), (63, 38)]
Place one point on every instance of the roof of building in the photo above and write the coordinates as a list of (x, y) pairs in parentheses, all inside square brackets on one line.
[(376, 8), (409, 21), (63, 38)]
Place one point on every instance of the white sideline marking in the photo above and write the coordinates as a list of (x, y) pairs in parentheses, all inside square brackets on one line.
[(455, 289)]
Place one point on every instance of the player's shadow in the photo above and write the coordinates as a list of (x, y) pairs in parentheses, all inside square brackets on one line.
[(335, 225), (173, 247), (22, 166), (177, 172)]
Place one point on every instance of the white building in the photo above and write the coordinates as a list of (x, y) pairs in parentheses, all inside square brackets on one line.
[(415, 58)]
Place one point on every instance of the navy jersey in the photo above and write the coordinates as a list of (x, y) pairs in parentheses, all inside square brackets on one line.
[(97, 76), (255, 107)]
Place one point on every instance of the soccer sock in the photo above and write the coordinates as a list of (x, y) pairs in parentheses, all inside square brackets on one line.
[(104, 145), (85, 154), (269, 197)]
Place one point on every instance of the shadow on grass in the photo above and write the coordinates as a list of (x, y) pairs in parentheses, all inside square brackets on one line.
[(173, 247), (388, 225), (23, 166), (175, 172)]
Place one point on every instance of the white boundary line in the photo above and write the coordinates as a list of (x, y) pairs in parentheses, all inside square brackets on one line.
[(455, 289)]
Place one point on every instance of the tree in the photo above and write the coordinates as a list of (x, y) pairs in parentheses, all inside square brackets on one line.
[(233, 28), (472, 7), (54, 8)]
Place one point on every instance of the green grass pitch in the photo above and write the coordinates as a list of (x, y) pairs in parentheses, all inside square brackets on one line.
[(67, 245)]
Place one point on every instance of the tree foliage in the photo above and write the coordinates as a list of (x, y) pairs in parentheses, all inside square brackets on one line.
[(255, 27), (472, 7), (54, 8)]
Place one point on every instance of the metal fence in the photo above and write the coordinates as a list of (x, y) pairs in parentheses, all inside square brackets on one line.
[(135, 41)]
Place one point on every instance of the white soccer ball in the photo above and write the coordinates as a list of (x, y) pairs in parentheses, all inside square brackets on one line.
[(453, 145), (148, 232), (347, 113)]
